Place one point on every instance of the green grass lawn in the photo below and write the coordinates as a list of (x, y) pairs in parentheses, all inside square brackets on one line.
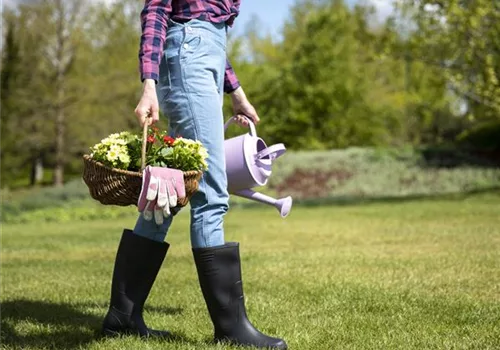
[(422, 274)]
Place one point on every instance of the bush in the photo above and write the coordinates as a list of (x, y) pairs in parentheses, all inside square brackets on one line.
[(348, 173), (18, 201), (485, 137), (89, 211), (358, 172)]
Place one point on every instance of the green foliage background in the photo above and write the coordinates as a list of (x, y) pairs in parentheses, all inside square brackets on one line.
[(427, 76), (311, 177)]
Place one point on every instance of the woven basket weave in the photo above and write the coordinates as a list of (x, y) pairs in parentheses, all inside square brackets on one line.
[(112, 186)]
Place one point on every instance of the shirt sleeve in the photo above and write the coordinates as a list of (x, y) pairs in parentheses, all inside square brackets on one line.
[(231, 82), (154, 18)]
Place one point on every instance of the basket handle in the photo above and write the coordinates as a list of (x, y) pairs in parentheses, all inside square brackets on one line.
[(147, 122)]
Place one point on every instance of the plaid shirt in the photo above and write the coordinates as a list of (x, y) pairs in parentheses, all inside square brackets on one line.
[(154, 28)]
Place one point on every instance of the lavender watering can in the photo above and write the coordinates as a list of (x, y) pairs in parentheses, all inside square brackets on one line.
[(248, 165)]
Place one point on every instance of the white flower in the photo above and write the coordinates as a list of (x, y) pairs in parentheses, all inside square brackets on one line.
[(112, 155), (204, 164), (124, 158), (203, 153), (183, 141), (115, 148)]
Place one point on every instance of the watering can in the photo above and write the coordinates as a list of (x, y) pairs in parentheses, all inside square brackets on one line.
[(248, 165)]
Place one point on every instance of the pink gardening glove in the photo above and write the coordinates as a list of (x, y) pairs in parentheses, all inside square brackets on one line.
[(161, 187)]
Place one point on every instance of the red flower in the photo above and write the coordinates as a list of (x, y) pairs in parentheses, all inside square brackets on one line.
[(168, 140), (151, 139)]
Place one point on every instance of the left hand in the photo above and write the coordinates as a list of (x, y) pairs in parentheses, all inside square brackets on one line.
[(242, 108), (147, 111)]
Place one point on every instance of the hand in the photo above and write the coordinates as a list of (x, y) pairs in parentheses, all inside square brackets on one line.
[(148, 104), (161, 187), (242, 108)]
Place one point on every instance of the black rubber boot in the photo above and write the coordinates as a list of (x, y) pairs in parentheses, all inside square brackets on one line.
[(219, 273), (137, 263)]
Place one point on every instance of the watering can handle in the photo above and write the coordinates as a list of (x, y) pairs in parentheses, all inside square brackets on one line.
[(273, 151), (231, 120)]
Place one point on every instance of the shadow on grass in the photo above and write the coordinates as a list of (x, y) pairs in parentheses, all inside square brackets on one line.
[(42, 324), (57, 326)]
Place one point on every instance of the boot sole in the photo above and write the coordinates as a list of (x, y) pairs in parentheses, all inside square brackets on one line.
[(229, 342)]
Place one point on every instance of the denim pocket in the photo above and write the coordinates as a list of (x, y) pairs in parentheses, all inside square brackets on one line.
[(164, 82), (189, 47), (169, 66)]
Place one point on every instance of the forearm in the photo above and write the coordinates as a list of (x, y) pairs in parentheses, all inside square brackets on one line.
[(154, 18), (231, 82), (149, 84)]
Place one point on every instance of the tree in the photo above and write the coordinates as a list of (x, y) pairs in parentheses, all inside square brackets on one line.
[(318, 86), (10, 69), (41, 87), (69, 85), (107, 72), (337, 80), (61, 37), (463, 37), (25, 137)]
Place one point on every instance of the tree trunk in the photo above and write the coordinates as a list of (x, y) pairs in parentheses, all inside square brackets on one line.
[(58, 176), (36, 171), (61, 62)]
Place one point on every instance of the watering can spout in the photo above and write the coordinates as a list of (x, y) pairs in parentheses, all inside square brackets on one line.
[(284, 205)]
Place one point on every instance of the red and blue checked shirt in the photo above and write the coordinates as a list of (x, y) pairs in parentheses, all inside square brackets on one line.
[(154, 17)]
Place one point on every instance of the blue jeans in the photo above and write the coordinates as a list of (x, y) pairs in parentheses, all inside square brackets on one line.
[(190, 93)]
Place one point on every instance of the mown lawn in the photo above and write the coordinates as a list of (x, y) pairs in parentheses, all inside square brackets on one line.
[(422, 274)]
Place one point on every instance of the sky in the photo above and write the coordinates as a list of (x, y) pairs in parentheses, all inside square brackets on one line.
[(273, 13)]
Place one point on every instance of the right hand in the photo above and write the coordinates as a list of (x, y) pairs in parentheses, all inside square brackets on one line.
[(148, 104), (242, 108)]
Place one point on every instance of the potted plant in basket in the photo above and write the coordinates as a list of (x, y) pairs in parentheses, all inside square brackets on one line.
[(113, 169)]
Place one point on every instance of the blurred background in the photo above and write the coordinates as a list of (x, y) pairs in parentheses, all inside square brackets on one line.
[(372, 98), (390, 112)]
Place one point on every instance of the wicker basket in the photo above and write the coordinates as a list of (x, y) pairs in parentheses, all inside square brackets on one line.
[(112, 186)]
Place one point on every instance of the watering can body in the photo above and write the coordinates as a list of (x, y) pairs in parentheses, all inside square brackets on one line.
[(249, 164)]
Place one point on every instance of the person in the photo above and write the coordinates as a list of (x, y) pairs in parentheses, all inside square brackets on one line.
[(185, 72)]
